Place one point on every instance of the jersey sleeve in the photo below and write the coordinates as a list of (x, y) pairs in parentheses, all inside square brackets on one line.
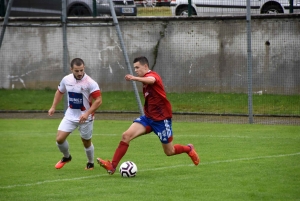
[(62, 86), (96, 94), (151, 75), (95, 89)]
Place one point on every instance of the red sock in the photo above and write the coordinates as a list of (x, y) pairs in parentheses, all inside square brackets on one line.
[(119, 153), (179, 149)]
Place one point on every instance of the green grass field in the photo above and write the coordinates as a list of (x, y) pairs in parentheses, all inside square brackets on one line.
[(238, 162), (217, 103)]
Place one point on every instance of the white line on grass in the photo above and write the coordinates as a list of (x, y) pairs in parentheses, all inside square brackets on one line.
[(51, 181), (226, 161), (152, 169)]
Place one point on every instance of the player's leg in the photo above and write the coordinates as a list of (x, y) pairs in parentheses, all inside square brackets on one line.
[(163, 129), (170, 150), (86, 131), (63, 146), (137, 128), (62, 142), (89, 151), (64, 129)]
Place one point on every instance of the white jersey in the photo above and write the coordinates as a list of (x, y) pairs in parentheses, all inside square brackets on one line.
[(79, 95)]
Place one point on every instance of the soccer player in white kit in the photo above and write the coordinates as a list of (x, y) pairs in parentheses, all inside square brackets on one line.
[(84, 98)]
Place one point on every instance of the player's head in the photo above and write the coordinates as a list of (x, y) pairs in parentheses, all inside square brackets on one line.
[(143, 60), (141, 66), (77, 68)]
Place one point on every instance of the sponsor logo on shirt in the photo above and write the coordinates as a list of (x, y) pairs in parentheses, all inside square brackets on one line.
[(76, 101)]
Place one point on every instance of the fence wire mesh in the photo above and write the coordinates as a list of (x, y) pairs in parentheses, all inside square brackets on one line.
[(202, 60)]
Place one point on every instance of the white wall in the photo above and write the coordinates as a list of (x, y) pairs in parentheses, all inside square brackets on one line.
[(198, 54)]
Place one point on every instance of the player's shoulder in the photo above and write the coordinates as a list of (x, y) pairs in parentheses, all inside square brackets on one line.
[(91, 82), (151, 73), (89, 79), (67, 78)]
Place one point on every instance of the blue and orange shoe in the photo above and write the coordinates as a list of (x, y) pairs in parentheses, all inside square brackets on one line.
[(62, 162), (106, 164), (193, 155)]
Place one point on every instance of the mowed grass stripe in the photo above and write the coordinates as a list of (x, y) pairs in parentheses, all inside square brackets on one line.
[(150, 134), (152, 169)]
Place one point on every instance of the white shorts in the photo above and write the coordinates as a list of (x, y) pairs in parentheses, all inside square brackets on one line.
[(85, 129)]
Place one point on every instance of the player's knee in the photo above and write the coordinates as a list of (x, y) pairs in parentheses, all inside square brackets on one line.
[(86, 143), (60, 139), (126, 137), (168, 152)]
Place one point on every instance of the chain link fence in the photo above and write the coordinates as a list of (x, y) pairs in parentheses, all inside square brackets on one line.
[(202, 60)]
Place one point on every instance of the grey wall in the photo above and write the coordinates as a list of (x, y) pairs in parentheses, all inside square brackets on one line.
[(192, 55)]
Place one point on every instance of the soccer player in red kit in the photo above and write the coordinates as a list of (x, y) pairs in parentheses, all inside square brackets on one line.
[(157, 118)]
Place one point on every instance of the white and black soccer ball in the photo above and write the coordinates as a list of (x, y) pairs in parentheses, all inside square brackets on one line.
[(128, 169)]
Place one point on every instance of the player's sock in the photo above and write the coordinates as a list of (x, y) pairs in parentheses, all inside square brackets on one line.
[(179, 149), (119, 153), (90, 153), (64, 148)]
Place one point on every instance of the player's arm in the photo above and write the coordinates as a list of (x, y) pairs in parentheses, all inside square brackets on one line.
[(95, 105), (57, 98), (96, 96), (144, 80)]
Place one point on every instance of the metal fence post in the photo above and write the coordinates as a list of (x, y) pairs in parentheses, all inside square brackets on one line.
[(2, 10), (10, 2), (94, 8), (65, 47), (189, 8), (291, 6), (249, 63), (116, 23)]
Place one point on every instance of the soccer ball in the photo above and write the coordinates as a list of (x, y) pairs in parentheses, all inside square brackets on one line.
[(128, 169)]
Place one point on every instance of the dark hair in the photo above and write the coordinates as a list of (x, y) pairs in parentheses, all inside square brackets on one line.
[(143, 60), (77, 62)]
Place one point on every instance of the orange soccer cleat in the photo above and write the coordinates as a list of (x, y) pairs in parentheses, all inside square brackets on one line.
[(193, 155), (62, 162), (106, 164)]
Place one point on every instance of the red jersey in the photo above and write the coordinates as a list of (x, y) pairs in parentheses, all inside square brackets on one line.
[(157, 107)]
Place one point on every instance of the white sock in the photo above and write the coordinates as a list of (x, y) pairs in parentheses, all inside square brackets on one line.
[(90, 153), (64, 148)]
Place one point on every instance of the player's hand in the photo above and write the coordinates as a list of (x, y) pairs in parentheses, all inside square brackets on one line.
[(83, 118), (51, 111), (129, 77)]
